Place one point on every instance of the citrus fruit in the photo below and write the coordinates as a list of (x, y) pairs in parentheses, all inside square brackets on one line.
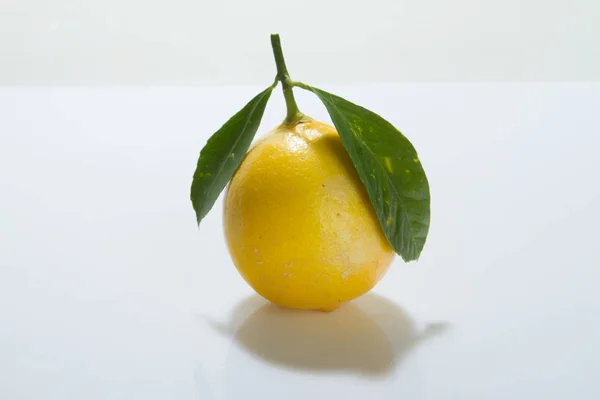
[(313, 219), (298, 221)]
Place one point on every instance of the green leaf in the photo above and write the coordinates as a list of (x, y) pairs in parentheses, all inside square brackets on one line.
[(224, 152), (389, 167)]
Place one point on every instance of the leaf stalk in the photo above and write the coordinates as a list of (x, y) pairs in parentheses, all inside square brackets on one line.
[(293, 113)]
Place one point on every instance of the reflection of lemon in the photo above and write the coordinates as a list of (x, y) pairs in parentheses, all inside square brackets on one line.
[(298, 221)]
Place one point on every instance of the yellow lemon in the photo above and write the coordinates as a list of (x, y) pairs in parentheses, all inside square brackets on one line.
[(299, 224)]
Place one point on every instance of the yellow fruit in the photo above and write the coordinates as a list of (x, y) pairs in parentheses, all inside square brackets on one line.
[(298, 221)]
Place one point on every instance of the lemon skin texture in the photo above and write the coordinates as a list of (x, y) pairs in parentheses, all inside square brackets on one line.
[(299, 224)]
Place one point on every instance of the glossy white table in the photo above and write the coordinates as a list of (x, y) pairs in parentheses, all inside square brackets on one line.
[(109, 291)]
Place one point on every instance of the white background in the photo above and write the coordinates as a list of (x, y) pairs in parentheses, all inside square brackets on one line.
[(214, 42), (109, 291)]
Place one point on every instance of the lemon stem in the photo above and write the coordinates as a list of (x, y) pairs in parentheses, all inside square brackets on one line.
[(293, 113)]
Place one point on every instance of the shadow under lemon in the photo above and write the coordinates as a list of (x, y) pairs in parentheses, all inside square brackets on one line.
[(370, 335)]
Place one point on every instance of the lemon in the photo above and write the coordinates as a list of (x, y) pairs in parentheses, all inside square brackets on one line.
[(299, 224)]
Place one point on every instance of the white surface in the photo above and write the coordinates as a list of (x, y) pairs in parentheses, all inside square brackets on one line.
[(208, 42), (109, 291)]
